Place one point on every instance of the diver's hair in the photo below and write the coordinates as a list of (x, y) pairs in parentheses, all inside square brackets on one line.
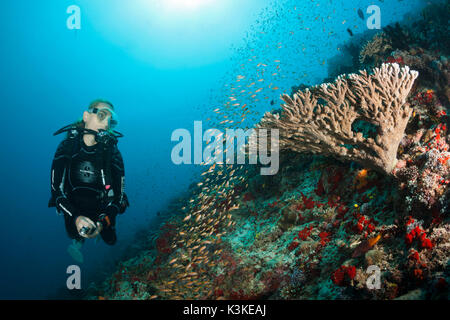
[(96, 102)]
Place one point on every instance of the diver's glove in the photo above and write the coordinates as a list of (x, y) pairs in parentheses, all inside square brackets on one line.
[(63, 205)]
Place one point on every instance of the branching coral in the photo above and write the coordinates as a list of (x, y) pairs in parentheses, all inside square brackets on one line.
[(320, 120), (375, 49)]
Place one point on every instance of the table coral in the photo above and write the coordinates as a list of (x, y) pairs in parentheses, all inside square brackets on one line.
[(319, 120)]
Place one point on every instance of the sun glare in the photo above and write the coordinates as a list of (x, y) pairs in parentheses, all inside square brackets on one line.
[(186, 4)]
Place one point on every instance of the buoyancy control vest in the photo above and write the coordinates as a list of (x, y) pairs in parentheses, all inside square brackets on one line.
[(106, 142)]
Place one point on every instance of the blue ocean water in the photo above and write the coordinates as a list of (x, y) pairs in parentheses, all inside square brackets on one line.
[(163, 64)]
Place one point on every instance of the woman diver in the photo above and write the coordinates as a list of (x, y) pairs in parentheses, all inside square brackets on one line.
[(87, 177)]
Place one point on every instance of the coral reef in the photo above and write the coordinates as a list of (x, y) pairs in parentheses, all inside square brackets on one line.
[(320, 120), (375, 48), (374, 227)]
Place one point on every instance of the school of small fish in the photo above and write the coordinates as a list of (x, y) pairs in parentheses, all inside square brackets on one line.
[(267, 67), (208, 217), (262, 71)]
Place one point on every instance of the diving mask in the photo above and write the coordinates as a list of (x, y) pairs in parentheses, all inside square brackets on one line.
[(103, 113)]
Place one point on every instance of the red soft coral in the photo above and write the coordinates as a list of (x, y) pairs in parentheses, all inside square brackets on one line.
[(304, 234), (343, 275), (324, 237)]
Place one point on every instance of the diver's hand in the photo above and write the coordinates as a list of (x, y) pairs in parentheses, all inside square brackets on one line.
[(87, 228)]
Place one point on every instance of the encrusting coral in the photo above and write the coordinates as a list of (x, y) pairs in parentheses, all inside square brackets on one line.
[(320, 119)]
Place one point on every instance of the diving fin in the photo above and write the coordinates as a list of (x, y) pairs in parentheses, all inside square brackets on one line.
[(74, 251)]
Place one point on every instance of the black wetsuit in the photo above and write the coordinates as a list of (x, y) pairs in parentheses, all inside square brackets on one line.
[(78, 189)]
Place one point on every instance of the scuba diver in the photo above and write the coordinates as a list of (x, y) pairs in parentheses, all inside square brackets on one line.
[(87, 177)]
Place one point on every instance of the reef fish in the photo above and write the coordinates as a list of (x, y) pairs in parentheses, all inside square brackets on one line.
[(365, 246), (360, 14)]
